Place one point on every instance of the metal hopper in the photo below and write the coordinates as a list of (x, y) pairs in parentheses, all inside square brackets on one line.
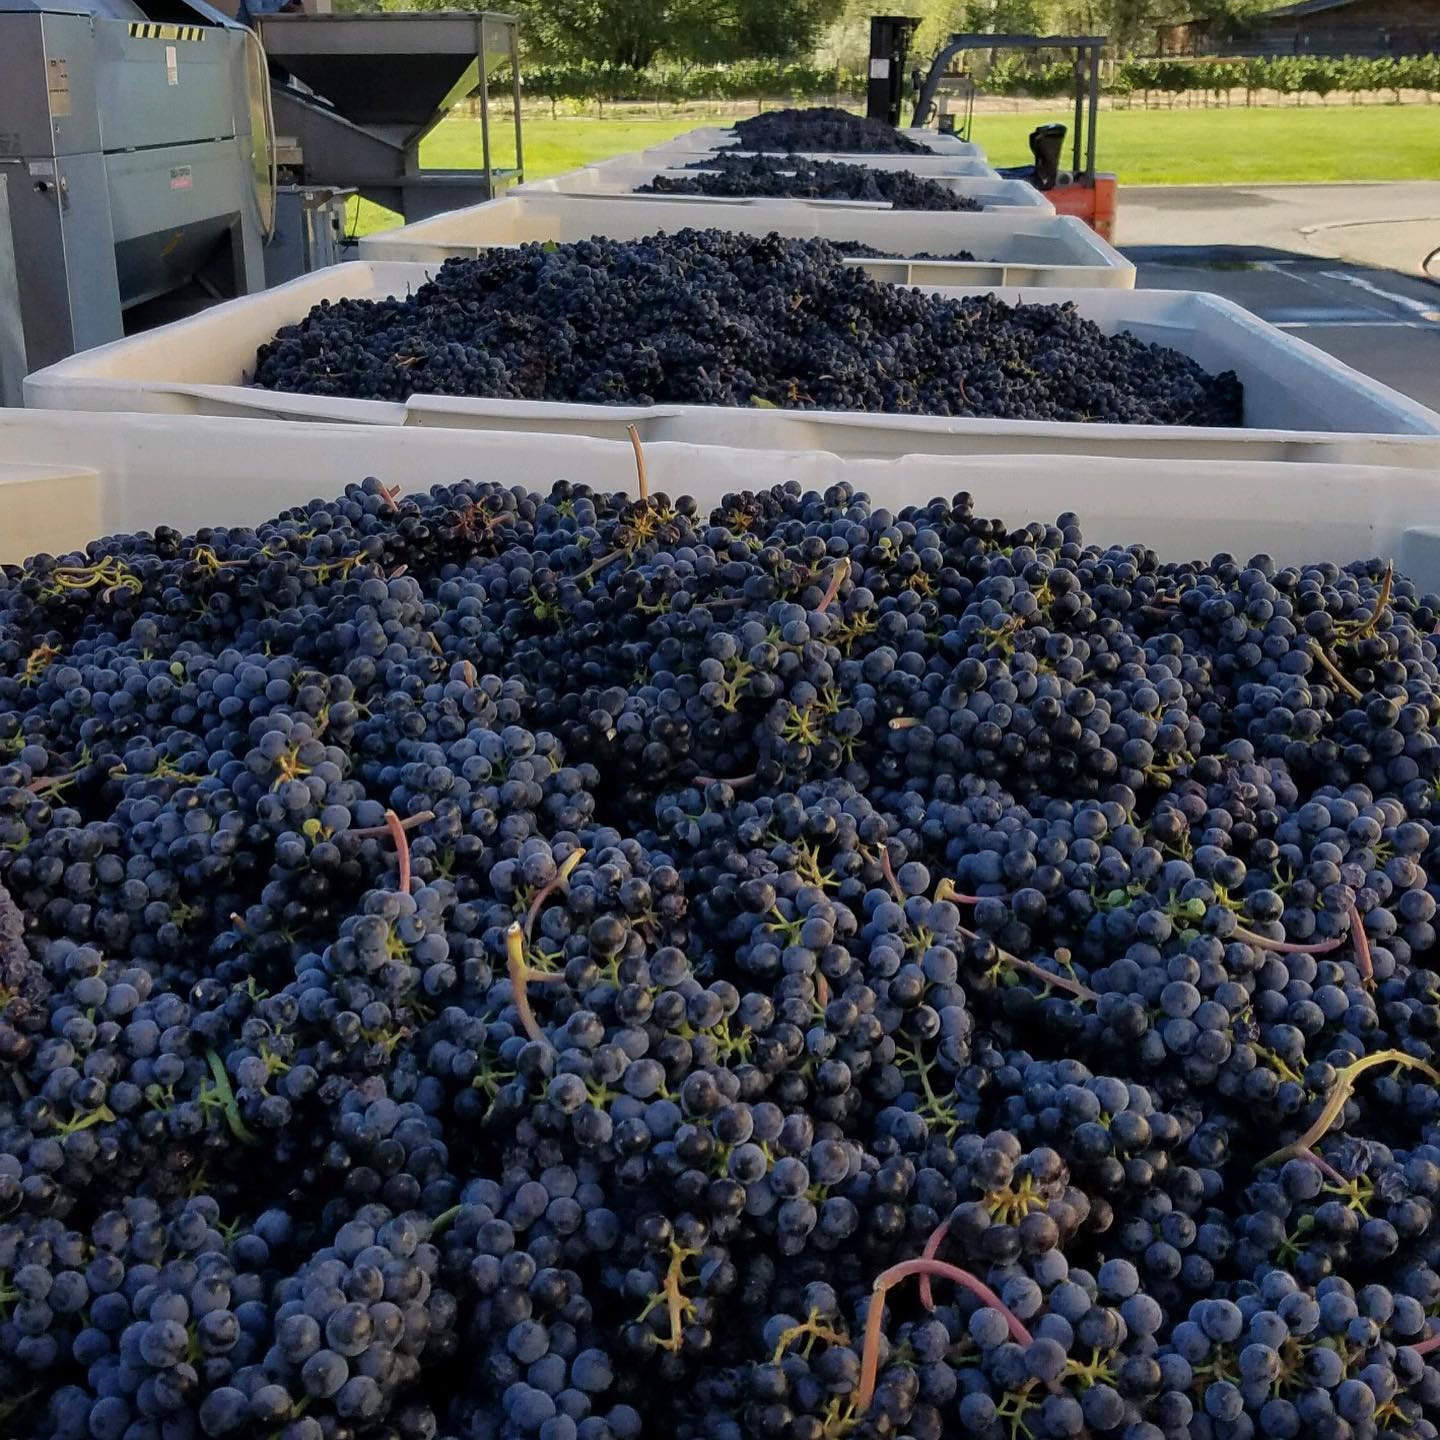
[(359, 93)]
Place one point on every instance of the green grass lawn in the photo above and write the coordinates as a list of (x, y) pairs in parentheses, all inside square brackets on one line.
[(1239, 146), (1144, 147)]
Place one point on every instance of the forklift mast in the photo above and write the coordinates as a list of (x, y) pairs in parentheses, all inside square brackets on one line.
[(889, 47), (1087, 51)]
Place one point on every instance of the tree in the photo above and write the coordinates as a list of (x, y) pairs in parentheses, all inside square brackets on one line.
[(635, 34)]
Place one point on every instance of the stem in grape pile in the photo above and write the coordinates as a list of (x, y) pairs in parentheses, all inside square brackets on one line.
[(443, 1221), (640, 473), (1056, 982), (946, 890), (376, 831), (875, 1317), (600, 564), (1287, 947), (1363, 962), (561, 876), (402, 848), (520, 976), (1322, 1165), (837, 579), (888, 871), (1333, 670), (738, 782), (1382, 599), (931, 1250), (229, 1106), (1344, 1089)]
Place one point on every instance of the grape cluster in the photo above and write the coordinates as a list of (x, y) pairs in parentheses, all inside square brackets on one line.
[(796, 177), (712, 318), (507, 966), (821, 128)]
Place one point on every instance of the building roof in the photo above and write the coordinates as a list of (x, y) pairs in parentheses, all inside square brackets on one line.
[(1304, 7)]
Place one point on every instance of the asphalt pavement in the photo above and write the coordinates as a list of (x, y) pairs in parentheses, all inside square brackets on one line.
[(1337, 265)]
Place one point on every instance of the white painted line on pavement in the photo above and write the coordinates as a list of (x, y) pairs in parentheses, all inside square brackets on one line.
[(1405, 302), (1356, 324)]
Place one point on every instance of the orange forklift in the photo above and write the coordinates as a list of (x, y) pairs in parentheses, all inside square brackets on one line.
[(1079, 191)]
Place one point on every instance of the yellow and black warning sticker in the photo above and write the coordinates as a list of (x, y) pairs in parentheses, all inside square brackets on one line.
[(148, 30)]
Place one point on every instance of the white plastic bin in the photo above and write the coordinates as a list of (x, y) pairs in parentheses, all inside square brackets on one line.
[(1300, 403), (69, 479), (717, 137), (621, 181), (1012, 247)]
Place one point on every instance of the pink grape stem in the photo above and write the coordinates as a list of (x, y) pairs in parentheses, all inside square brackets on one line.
[(875, 1317), (409, 823), (837, 579), (1322, 1165), (946, 890), (402, 848), (931, 1250), (888, 871), (1287, 947), (1363, 962)]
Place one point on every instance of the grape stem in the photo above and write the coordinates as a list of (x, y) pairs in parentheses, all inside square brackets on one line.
[(229, 1106), (1056, 982), (402, 848), (1363, 961), (888, 871), (377, 831), (521, 977), (931, 1250), (1427, 1345), (739, 782), (1333, 670), (639, 449), (875, 1316), (600, 564), (1344, 1089), (946, 890), (1382, 599), (1076, 988), (837, 579), (1322, 1165), (1287, 947), (444, 1220), (561, 877)]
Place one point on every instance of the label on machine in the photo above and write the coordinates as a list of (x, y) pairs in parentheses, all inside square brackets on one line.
[(57, 86), (181, 177), (172, 65), (879, 69)]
